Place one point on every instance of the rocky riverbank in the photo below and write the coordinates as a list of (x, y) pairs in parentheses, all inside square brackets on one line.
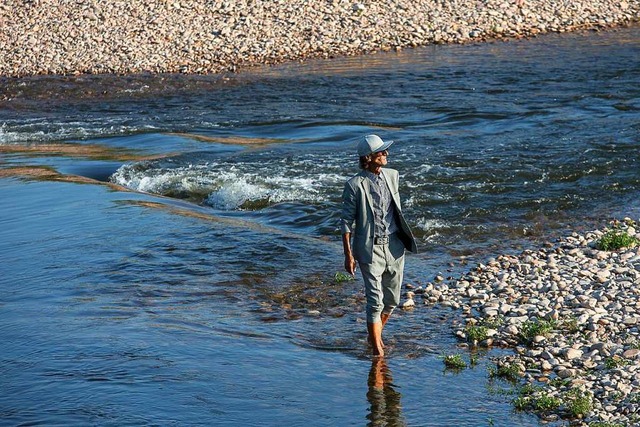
[(189, 36), (571, 312)]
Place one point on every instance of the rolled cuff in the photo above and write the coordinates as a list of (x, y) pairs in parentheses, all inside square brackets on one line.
[(345, 227)]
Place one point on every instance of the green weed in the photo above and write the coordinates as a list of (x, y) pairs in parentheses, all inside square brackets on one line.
[(454, 361), (616, 239), (570, 325), (532, 328), (494, 322), (476, 333), (615, 361), (579, 403), (538, 403), (509, 372), (342, 277)]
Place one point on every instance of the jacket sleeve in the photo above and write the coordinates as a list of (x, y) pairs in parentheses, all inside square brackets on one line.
[(348, 215)]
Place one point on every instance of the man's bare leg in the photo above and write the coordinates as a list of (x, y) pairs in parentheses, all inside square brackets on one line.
[(384, 317), (375, 338)]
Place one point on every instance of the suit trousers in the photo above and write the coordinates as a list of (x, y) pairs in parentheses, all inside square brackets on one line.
[(383, 278)]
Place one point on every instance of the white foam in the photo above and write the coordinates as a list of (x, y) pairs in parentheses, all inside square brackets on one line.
[(424, 168), (228, 187), (431, 225), (234, 194), (42, 131), (138, 176)]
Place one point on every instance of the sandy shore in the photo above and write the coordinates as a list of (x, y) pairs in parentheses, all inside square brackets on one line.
[(188, 36)]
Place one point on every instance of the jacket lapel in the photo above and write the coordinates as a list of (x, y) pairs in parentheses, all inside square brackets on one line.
[(391, 185), (365, 184)]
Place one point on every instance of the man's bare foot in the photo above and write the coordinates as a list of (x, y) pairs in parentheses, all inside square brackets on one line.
[(371, 343)]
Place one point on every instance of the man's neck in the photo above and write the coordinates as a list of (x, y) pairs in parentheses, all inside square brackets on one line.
[(375, 170)]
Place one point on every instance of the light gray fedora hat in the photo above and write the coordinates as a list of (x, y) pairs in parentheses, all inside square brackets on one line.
[(372, 144)]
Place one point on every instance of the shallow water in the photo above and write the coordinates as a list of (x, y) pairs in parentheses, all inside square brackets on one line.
[(205, 295)]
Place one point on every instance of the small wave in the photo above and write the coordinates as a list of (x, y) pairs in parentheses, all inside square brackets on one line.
[(43, 132), (235, 194), (165, 181), (224, 187), (432, 225), (242, 194)]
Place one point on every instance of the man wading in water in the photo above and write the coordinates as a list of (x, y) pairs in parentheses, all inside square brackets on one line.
[(371, 214)]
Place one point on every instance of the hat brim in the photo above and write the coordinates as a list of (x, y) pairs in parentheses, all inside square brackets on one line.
[(385, 146)]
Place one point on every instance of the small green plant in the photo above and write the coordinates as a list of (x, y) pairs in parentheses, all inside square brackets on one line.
[(616, 396), (634, 398), (533, 328), (476, 333), (528, 390), (570, 325), (454, 361), (493, 322), (539, 403), (616, 239), (605, 424), (521, 403), (342, 277), (579, 403), (545, 403), (509, 372), (473, 360), (558, 382), (615, 361)]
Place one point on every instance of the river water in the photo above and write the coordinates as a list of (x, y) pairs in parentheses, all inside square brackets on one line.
[(199, 290)]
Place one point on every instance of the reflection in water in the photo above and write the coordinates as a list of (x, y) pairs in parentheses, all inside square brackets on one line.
[(384, 400)]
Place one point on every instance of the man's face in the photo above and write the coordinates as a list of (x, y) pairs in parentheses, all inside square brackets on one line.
[(379, 158)]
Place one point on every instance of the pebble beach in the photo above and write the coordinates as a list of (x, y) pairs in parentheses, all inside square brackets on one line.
[(88, 36), (571, 313)]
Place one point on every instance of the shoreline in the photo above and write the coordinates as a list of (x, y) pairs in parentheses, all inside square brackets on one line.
[(569, 312), (90, 37)]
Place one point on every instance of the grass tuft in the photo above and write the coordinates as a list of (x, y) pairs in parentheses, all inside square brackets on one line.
[(476, 333), (579, 403), (537, 402), (342, 277), (616, 239), (532, 328), (454, 361), (615, 361), (509, 372)]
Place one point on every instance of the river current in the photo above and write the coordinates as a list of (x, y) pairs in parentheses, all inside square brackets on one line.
[(199, 289)]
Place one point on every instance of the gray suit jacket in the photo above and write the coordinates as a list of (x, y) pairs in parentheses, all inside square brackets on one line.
[(357, 215)]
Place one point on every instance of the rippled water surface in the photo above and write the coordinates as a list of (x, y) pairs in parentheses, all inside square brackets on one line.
[(191, 282)]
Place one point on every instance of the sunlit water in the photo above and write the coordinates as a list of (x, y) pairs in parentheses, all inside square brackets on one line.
[(206, 294)]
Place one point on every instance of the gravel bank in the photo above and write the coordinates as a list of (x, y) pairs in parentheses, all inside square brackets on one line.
[(189, 36), (571, 312)]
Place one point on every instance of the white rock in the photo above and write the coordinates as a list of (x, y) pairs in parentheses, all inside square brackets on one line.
[(572, 353), (408, 303)]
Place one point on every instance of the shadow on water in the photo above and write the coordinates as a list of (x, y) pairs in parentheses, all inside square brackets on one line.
[(385, 407)]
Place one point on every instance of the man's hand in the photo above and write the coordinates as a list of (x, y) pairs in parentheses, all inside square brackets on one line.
[(350, 264)]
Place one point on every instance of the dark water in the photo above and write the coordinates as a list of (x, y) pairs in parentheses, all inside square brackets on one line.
[(206, 295)]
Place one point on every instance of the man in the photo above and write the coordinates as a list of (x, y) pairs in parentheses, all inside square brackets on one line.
[(372, 215)]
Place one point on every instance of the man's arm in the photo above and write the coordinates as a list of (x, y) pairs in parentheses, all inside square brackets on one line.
[(349, 261), (347, 219)]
